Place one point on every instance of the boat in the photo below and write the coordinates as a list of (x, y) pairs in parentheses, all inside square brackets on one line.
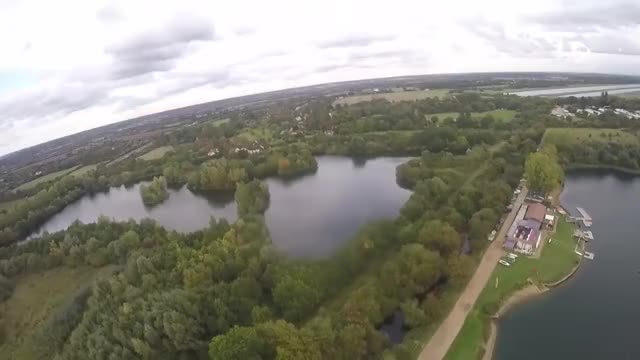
[(504, 262)]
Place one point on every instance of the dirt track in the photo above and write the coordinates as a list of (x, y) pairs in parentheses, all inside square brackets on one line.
[(440, 342)]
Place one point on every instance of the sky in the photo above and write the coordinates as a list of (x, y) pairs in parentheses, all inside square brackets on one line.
[(72, 65)]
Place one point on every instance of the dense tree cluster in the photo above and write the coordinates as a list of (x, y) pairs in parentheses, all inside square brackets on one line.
[(154, 193), (543, 171)]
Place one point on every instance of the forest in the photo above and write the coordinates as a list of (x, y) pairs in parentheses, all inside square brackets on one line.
[(226, 292)]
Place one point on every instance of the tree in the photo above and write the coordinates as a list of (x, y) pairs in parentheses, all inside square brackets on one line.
[(413, 271), (154, 193), (294, 297), (481, 224), (239, 343), (542, 171), (440, 236)]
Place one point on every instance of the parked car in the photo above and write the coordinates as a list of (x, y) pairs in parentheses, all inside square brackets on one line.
[(502, 262)]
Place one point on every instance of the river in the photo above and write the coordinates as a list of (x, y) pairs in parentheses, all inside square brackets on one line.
[(595, 314), (311, 216), (594, 90)]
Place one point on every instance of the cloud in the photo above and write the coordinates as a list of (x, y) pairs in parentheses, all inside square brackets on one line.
[(354, 40), (158, 49), (611, 44), (515, 43), (580, 16), (133, 58), (110, 13)]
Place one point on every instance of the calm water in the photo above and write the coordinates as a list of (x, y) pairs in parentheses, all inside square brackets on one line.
[(309, 216), (580, 91), (596, 314)]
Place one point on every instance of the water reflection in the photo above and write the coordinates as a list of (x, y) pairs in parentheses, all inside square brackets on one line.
[(310, 216)]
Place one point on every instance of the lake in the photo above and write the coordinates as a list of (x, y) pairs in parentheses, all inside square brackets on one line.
[(311, 216), (595, 314)]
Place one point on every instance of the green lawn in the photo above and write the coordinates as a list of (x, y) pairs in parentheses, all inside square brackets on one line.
[(557, 260), (156, 153), (579, 135), (219, 122), (45, 178), (83, 170), (498, 114), (393, 96)]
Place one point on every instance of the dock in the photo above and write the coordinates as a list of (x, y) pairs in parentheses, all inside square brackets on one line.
[(584, 217), (583, 235)]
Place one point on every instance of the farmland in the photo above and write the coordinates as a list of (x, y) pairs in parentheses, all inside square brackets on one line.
[(45, 178), (393, 96), (83, 170), (156, 153), (498, 114)]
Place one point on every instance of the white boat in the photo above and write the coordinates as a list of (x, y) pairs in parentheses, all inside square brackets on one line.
[(512, 255), (505, 263)]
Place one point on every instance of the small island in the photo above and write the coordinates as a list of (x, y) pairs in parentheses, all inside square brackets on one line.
[(154, 193)]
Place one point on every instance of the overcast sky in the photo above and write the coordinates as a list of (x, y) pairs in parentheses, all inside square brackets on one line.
[(71, 65)]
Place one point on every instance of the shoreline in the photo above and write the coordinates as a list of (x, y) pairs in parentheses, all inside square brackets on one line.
[(603, 167), (518, 297)]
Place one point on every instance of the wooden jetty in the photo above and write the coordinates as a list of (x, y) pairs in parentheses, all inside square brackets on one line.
[(584, 217)]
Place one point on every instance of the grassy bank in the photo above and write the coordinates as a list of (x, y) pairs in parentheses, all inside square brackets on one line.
[(557, 260), (37, 296)]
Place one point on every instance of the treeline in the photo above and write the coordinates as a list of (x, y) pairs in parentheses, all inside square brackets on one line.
[(600, 153)]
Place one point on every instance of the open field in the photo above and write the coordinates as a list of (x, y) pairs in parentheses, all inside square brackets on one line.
[(156, 153), (83, 170), (557, 260), (35, 298), (579, 135), (498, 114), (45, 178), (219, 122), (393, 96), (255, 134)]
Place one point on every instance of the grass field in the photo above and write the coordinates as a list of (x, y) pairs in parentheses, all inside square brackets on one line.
[(83, 170), (156, 153), (557, 260), (36, 296), (393, 96), (579, 135), (255, 134), (499, 115), (45, 178), (219, 122)]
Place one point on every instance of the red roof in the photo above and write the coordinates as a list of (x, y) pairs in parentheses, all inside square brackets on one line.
[(536, 211)]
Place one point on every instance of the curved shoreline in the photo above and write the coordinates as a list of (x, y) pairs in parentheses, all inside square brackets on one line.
[(518, 297)]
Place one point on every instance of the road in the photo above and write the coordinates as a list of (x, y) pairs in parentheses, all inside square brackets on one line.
[(441, 341)]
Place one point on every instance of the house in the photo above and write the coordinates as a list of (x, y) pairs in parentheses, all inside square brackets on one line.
[(524, 235), (536, 212)]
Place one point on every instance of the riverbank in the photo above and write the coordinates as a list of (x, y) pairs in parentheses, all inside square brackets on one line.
[(512, 285), (625, 170), (517, 298)]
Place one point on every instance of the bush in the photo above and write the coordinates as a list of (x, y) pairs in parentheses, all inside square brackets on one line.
[(6, 288), (490, 308)]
